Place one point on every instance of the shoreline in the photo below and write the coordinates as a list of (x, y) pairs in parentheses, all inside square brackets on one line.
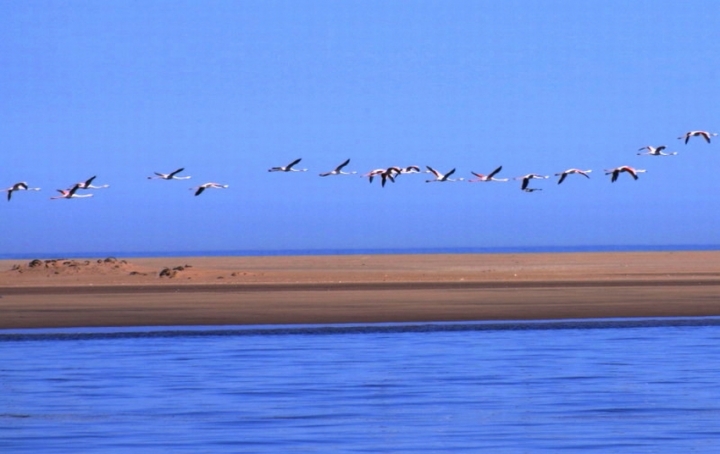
[(360, 289)]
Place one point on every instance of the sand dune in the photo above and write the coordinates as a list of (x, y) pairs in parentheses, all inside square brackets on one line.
[(357, 288)]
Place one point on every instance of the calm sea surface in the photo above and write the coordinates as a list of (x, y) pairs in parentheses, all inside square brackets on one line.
[(610, 386), (355, 251)]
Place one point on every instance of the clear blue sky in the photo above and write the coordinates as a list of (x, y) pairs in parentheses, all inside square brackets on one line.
[(227, 89)]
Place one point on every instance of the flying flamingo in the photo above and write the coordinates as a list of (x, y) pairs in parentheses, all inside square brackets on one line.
[(338, 170), (487, 178), (384, 174), (526, 180), (704, 134), (21, 186), (87, 184), (410, 169), (288, 168), (564, 174), (199, 189), (439, 177), (70, 194), (388, 175), (168, 176), (373, 173), (655, 151), (616, 172)]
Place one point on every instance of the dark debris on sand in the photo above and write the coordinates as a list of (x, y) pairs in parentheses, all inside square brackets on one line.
[(57, 266), (172, 272)]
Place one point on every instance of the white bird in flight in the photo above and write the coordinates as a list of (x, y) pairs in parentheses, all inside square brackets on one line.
[(372, 174), (384, 174), (388, 175), (410, 169), (526, 180), (564, 174), (21, 186), (87, 184), (288, 168), (655, 151), (488, 177), (70, 194), (338, 170), (439, 177), (704, 134), (169, 176), (199, 189), (618, 170)]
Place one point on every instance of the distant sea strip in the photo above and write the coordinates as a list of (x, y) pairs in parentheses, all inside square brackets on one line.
[(366, 251), (109, 333)]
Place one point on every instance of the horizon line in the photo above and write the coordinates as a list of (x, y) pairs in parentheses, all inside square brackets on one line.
[(364, 251)]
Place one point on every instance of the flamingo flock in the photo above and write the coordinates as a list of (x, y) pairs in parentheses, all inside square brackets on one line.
[(389, 174)]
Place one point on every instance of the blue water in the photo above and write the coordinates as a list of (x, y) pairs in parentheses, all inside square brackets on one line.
[(356, 251), (611, 386)]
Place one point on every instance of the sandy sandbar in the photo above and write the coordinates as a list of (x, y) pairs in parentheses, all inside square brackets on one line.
[(357, 289)]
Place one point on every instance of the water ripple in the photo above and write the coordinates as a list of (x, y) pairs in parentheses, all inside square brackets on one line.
[(611, 385)]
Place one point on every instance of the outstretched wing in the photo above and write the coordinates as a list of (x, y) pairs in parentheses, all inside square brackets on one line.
[(89, 180), (172, 174), (562, 178), (289, 166), (338, 168), (448, 174), (72, 190), (199, 191)]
